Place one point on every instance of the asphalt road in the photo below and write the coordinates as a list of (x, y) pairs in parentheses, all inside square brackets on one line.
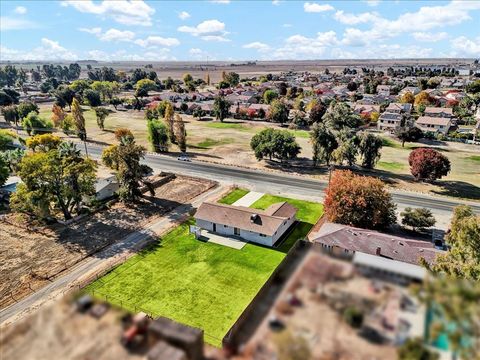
[(280, 183)]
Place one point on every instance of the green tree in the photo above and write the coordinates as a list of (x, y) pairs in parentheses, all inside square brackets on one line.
[(169, 121), (369, 148), (125, 159), (408, 133), (232, 78), (272, 143), (79, 120), (463, 259), (53, 180), (143, 86), (4, 171), (92, 98), (10, 114), (26, 108), (269, 95), (341, 116), (101, 114), (7, 137), (323, 143), (33, 124), (418, 218), (348, 147), (157, 135), (221, 108), (278, 112)]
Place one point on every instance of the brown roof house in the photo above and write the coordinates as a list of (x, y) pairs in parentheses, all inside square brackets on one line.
[(397, 257), (434, 124), (264, 227)]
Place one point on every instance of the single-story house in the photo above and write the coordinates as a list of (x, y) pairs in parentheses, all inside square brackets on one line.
[(396, 258), (383, 90), (434, 124), (264, 227)]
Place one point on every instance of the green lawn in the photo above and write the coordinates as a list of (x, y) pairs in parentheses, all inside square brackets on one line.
[(233, 196), (308, 213), (199, 284), (209, 143), (300, 133), (220, 125), (391, 166), (475, 158)]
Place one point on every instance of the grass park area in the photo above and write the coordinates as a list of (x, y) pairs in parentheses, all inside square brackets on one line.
[(200, 284)]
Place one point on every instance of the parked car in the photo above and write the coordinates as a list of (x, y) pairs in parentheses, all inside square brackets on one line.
[(183, 157)]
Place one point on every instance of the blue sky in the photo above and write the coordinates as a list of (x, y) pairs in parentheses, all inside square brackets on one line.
[(237, 30)]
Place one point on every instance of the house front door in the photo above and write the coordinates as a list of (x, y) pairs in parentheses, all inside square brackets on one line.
[(236, 231), (214, 227)]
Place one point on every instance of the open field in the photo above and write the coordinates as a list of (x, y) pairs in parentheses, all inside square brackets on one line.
[(200, 284), (229, 143), (31, 256)]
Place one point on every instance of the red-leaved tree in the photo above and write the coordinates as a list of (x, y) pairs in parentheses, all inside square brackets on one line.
[(428, 164), (358, 201)]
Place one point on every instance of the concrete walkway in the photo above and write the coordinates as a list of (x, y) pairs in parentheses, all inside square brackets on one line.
[(248, 199), (223, 240)]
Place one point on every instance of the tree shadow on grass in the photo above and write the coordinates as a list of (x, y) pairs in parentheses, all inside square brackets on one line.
[(458, 189)]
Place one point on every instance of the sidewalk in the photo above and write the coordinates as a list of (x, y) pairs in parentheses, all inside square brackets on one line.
[(94, 263)]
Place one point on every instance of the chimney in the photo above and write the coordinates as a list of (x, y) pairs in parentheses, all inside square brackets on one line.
[(378, 252)]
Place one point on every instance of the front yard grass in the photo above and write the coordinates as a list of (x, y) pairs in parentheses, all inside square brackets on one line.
[(307, 215), (200, 284), (233, 196)]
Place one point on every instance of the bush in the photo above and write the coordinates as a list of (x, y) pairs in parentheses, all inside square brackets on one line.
[(419, 218), (34, 124)]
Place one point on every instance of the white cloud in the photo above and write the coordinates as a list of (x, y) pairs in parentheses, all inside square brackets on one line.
[(287, 25), (220, 1), (301, 47), (209, 30), (49, 50), (8, 23), (20, 10), (429, 37), (276, 2), (372, 2), (465, 46), (157, 41), (126, 12), (117, 35), (352, 19), (184, 15), (261, 47), (95, 30), (316, 8)]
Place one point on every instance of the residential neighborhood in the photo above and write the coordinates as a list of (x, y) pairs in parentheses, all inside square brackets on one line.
[(177, 184)]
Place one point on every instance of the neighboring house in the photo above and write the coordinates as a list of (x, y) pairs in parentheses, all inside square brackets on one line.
[(264, 227), (399, 108), (393, 257), (366, 108), (411, 89), (438, 112), (389, 121), (434, 124), (383, 90)]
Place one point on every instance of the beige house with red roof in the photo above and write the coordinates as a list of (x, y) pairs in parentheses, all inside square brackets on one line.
[(263, 227)]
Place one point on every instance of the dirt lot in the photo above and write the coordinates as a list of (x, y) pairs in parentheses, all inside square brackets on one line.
[(30, 256), (326, 334), (57, 331)]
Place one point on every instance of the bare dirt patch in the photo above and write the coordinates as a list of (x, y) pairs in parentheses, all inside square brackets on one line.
[(31, 256), (59, 330)]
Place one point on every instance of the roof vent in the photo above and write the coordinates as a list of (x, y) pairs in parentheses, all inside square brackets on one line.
[(253, 218), (401, 244)]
